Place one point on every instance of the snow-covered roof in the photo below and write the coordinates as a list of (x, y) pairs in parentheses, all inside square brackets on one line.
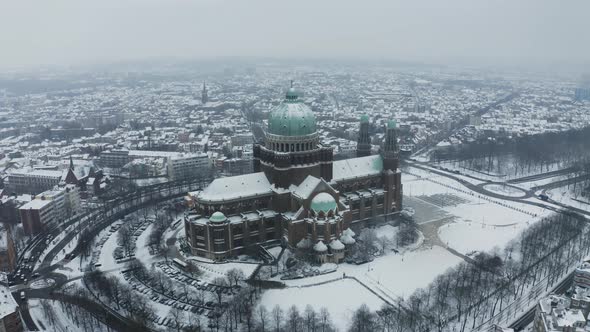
[(234, 187), (336, 245), (347, 239), (306, 187), (36, 204), (7, 303), (305, 243), (320, 247), (357, 167), (349, 232)]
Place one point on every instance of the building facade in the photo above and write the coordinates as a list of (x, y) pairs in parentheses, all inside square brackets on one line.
[(35, 215), (7, 251), (186, 166), (34, 181), (298, 193)]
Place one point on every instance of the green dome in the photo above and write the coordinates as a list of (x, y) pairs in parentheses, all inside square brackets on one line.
[(364, 118), (217, 217), (292, 117), (391, 124), (323, 202)]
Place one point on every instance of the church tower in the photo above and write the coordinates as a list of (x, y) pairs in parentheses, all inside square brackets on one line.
[(391, 175), (204, 97), (363, 146), (292, 149), (390, 148)]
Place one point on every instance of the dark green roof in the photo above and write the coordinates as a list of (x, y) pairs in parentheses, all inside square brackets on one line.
[(323, 202), (292, 117)]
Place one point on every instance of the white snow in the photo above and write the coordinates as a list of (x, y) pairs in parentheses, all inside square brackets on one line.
[(233, 187), (466, 237), (341, 298), (357, 167), (320, 247)]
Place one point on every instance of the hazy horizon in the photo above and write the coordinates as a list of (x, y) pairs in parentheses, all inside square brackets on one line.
[(69, 32)]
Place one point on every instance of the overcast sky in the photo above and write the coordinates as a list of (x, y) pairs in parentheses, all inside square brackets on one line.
[(34, 32)]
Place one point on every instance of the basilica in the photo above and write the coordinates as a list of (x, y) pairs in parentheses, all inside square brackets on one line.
[(297, 194)]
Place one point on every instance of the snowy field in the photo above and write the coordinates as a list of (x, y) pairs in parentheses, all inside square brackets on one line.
[(475, 222), (466, 237), (341, 298)]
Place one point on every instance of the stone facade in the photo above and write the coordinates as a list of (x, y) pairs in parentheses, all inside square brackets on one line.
[(298, 194)]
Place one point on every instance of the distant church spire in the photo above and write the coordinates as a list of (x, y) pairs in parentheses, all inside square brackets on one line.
[(363, 146), (204, 97), (71, 163)]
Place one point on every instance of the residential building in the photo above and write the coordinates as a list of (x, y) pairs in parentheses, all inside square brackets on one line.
[(33, 181), (35, 215)]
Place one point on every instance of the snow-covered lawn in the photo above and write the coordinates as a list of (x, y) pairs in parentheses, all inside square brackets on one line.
[(341, 298), (400, 275), (106, 258), (466, 237)]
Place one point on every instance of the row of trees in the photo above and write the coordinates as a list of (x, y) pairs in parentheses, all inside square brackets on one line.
[(519, 155), (471, 293), (83, 319)]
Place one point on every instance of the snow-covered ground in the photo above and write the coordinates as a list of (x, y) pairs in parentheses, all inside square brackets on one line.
[(62, 321), (341, 298), (106, 258), (565, 195), (466, 237)]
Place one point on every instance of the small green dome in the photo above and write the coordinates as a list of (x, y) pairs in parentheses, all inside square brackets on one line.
[(217, 217), (292, 117), (364, 118), (323, 202), (391, 124)]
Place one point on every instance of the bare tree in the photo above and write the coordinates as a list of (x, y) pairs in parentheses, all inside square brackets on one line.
[(176, 318), (221, 284), (48, 311), (277, 317), (363, 320), (383, 243), (310, 318), (234, 276), (293, 319), (325, 322), (262, 317)]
